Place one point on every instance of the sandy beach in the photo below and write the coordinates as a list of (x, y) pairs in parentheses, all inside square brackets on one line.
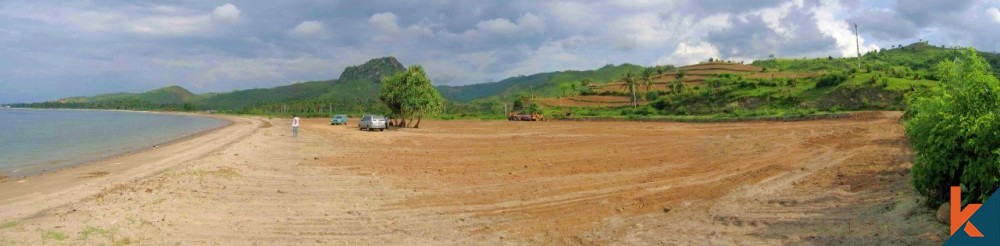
[(487, 183)]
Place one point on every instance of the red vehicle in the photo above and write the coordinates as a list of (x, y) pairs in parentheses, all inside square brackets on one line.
[(525, 117)]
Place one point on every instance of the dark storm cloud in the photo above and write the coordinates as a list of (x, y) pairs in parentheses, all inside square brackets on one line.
[(884, 24), (924, 12)]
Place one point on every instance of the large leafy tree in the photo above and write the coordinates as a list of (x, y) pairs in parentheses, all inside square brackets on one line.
[(630, 82), (955, 131), (409, 94)]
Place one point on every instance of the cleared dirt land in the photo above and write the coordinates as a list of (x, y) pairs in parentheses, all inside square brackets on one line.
[(493, 182)]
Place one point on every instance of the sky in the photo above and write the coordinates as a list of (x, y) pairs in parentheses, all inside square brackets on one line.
[(54, 49)]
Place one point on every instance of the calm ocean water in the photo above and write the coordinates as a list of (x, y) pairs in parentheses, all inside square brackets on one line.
[(33, 140)]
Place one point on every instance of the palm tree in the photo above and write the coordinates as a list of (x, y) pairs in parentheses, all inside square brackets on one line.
[(679, 83), (647, 78), (629, 83)]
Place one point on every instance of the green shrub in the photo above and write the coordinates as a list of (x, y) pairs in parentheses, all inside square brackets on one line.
[(831, 79), (652, 95), (643, 111), (955, 131)]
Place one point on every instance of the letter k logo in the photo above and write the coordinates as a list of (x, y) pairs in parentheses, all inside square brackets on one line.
[(961, 217)]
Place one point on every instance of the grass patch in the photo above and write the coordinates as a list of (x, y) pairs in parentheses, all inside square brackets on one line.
[(54, 235), (8, 224), (90, 230), (111, 235)]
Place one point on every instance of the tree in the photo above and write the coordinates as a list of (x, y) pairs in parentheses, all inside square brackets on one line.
[(647, 78), (629, 82), (565, 87), (410, 94), (586, 84), (678, 84), (955, 131)]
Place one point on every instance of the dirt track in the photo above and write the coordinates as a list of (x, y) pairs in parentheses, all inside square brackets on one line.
[(491, 182)]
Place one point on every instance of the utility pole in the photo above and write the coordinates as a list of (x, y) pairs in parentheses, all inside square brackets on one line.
[(857, 42)]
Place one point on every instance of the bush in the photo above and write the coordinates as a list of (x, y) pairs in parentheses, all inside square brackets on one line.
[(644, 111), (652, 95), (955, 132), (831, 79), (660, 104)]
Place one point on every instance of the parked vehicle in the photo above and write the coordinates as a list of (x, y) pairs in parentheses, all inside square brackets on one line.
[(525, 117), (372, 122), (339, 120)]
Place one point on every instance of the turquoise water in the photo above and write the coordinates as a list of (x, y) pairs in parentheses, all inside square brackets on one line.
[(35, 140)]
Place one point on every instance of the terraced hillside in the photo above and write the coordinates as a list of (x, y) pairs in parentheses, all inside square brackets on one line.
[(695, 75)]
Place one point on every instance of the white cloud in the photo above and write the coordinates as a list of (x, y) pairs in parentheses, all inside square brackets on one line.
[(531, 22), (308, 28), (716, 21), (687, 54), (166, 9), (551, 56), (841, 32), (526, 23), (226, 13), (571, 14), (995, 13), (95, 21), (773, 16), (385, 21), (499, 25), (155, 20)]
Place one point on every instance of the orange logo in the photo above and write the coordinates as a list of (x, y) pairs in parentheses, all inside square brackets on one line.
[(961, 217)]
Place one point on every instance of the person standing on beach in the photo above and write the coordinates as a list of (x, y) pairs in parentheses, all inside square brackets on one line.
[(295, 126)]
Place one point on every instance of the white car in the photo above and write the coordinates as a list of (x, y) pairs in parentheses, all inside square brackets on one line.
[(372, 122)]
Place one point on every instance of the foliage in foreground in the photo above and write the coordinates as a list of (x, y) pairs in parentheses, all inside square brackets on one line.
[(955, 131)]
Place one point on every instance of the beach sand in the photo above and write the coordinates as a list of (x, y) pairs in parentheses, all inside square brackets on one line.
[(838, 181)]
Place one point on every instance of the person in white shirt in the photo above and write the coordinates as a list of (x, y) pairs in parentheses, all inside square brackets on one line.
[(295, 126)]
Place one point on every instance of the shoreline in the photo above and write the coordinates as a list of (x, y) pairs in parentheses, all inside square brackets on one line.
[(7, 175), (12, 174), (33, 193)]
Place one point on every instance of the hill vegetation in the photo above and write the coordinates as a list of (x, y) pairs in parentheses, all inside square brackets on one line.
[(355, 91), (773, 88), (714, 90), (542, 84)]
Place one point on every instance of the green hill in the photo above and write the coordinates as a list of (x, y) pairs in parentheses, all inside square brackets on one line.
[(373, 70), (170, 95), (356, 90), (542, 84), (356, 84), (918, 57), (779, 90), (781, 84)]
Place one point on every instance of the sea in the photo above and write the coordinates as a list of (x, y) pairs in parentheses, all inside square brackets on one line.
[(39, 140)]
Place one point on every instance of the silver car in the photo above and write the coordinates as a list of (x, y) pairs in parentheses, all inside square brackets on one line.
[(372, 122)]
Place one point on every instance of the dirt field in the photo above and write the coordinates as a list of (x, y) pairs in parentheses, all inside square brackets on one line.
[(494, 182)]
